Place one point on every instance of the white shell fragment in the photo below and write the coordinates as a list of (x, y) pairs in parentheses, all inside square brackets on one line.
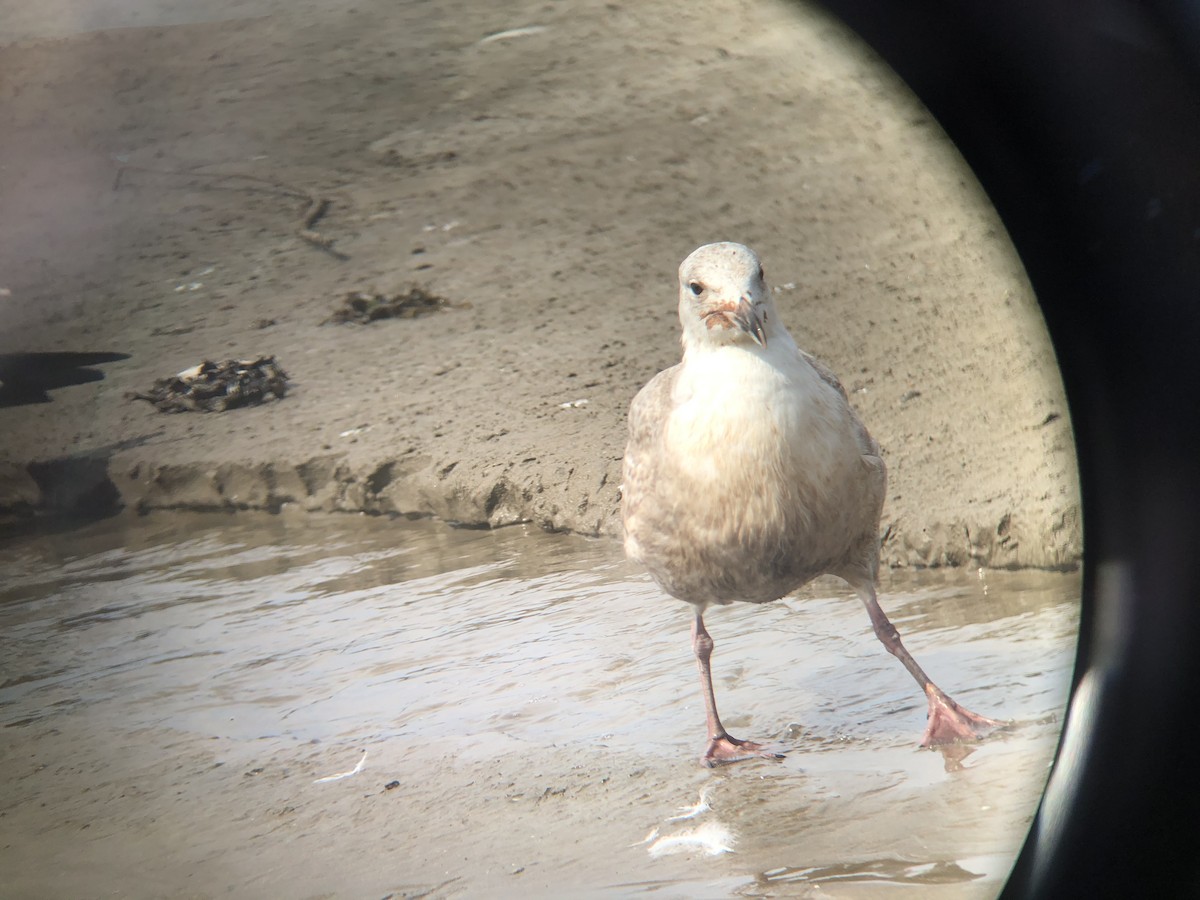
[(338, 777)]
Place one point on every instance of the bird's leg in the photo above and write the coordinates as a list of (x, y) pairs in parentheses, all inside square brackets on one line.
[(948, 722), (722, 747)]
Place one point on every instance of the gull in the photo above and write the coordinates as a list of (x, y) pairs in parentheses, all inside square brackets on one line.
[(747, 474)]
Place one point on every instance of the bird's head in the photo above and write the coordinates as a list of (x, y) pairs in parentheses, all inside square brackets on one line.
[(723, 298)]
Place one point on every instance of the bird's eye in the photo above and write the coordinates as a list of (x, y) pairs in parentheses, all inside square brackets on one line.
[(696, 288), (760, 273)]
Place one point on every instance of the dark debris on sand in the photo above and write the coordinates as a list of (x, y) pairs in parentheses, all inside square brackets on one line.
[(363, 307), (218, 386)]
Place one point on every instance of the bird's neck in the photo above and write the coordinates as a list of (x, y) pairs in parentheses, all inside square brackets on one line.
[(779, 351)]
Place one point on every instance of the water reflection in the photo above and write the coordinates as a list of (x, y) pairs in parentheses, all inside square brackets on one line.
[(527, 696)]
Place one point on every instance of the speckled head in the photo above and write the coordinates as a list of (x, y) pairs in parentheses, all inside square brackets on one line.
[(723, 299)]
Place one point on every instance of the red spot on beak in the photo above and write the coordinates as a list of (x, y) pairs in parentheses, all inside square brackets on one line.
[(750, 320)]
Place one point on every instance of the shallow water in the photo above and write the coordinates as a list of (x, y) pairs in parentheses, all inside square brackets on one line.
[(176, 691)]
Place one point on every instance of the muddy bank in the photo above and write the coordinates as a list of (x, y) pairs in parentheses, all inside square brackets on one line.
[(545, 181), (255, 706), (330, 485)]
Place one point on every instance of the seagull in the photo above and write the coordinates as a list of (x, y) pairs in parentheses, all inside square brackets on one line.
[(747, 474)]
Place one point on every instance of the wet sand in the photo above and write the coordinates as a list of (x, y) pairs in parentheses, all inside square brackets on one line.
[(175, 686), (542, 168)]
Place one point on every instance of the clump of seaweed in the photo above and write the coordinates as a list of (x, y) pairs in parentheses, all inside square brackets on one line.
[(218, 386), (363, 307)]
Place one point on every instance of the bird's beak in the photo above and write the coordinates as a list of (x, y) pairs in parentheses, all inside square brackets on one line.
[(747, 318)]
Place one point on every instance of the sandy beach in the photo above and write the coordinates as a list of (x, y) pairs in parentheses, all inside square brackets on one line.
[(543, 169), (209, 705), (301, 700)]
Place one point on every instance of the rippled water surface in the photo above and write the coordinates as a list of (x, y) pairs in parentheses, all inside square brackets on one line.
[(519, 711)]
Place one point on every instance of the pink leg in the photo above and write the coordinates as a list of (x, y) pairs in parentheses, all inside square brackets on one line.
[(722, 747), (948, 722)]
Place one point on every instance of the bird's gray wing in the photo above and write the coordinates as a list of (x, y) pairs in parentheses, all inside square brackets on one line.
[(648, 412), (825, 372), (870, 447), (647, 418), (873, 485)]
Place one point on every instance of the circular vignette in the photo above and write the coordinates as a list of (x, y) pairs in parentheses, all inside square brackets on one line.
[(1082, 122)]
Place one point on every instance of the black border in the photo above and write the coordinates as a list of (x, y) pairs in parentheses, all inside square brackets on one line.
[(1082, 122)]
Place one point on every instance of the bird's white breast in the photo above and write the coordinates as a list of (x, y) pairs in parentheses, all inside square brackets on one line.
[(742, 499), (764, 414)]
